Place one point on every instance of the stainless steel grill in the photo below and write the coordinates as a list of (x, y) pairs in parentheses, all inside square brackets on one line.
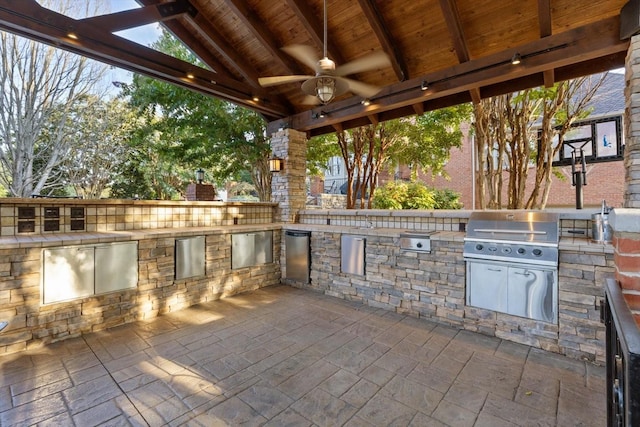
[(512, 263), (524, 237)]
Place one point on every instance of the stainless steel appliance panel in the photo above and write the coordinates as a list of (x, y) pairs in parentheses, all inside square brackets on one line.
[(487, 286), (190, 257), (352, 254), (525, 291), (116, 267), (298, 255), (264, 247), (531, 293), (68, 273), (242, 250)]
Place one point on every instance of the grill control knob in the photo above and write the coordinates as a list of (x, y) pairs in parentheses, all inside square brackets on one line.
[(521, 251), (537, 252), (479, 247)]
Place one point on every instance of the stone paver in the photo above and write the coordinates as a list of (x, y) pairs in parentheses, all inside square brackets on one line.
[(282, 356)]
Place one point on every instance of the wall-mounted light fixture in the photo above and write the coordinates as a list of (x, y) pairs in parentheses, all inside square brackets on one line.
[(424, 85), (200, 176), (516, 59), (276, 164)]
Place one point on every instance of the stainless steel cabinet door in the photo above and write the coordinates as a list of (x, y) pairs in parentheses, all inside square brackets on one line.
[(190, 257), (242, 250), (352, 254), (116, 267), (67, 273), (532, 293), (297, 255), (488, 286), (264, 247)]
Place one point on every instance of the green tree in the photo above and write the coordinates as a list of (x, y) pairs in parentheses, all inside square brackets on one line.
[(186, 130), (428, 139), (420, 141), (507, 145)]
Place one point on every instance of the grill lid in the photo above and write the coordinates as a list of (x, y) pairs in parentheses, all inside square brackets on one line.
[(514, 226)]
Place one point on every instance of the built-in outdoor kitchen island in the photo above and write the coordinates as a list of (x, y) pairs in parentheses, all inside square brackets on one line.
[(431, 283), (70, 266), (121, 261)]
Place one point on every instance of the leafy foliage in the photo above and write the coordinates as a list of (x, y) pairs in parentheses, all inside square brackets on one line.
[(414, 195), (185, 130)]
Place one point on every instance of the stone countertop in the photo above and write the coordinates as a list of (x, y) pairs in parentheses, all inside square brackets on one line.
[(564, 213), (81, 238), (579, 244)]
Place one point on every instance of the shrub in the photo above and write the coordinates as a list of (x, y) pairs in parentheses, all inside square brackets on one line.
[(414, 195)]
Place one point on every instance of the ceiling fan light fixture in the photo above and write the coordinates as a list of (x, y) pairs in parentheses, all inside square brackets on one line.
[(325, 89)]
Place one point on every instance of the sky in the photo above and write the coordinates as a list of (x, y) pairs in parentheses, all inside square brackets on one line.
[(144, 35)]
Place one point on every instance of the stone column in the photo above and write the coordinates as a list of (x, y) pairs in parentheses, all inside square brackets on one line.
[(625, 221), (288, 187)]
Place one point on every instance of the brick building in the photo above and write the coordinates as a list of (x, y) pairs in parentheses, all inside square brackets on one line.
[(604, 168)]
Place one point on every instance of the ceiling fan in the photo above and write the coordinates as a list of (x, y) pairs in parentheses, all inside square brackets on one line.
[(329, 80)]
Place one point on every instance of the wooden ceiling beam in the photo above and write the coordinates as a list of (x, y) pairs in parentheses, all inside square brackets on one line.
[(202, 52), (315, 28), (28, 19), (259, 30), (207, 31), (126, 19), (591, 42), (379, 27), (544, 22), (452, 19), (177, 28)]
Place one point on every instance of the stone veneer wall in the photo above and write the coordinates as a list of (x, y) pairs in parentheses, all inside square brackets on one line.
[(33, 324), (288, 187)]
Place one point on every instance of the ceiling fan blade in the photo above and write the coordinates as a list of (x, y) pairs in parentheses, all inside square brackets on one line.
[(365, 90), (366, 63), (278, 80), (310, 100), (303, 53)]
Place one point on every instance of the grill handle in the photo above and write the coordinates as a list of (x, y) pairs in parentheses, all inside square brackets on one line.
[(498, 230)]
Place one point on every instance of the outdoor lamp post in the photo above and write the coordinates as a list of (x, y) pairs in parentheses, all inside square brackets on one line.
[(200, 176)]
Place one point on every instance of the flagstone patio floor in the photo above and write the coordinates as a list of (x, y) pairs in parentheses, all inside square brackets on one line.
[(282, 356)]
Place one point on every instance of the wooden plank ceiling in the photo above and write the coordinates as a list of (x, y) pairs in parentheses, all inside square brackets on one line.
[(460, 50)]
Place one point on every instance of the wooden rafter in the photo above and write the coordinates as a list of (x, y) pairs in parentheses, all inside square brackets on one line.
[(137, 17), (544, 22), (569, 49), (315, 28), (206, 30), (452, 19), (384, 37), (258, 28)]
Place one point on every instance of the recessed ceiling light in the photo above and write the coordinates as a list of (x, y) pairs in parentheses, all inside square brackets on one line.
[(72, 35)]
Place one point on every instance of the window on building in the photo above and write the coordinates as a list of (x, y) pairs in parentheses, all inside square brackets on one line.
[(600, 140)]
